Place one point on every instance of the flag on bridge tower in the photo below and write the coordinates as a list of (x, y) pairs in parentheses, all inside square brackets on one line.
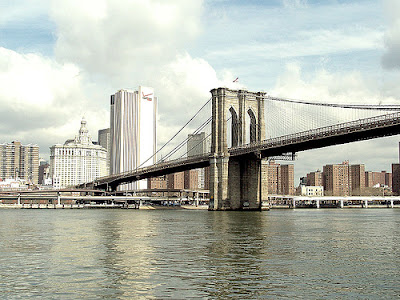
[(236, 80)]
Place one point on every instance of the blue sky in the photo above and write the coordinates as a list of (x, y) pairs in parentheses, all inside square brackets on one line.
[(60, 60)]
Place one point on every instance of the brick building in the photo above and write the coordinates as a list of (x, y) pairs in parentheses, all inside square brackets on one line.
[(378, 178), (396, 179), (176, 181), (314, 178), (157, 183), (277, 179), (336, 179), (19, 161)]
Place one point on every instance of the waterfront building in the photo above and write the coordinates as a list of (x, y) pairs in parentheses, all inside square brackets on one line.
[(374, 179), (271, 177), (344, 179), (277, 179), (336, 179), (287, 180), (12, 184), (191, 179), (314, 178), (157, 183), (176, 181), (357, 177), (133, 125), (206, 178), (19, 161), (396, 179), (388, 179), (311, 190), (104, 140), (77, 160)]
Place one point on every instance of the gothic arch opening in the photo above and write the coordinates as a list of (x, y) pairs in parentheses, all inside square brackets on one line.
[(233, 129), (253, 126)]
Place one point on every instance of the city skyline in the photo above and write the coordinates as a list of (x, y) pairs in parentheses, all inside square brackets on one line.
[(53, 72)]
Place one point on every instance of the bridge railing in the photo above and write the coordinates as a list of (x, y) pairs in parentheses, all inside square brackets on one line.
[(332, 130)]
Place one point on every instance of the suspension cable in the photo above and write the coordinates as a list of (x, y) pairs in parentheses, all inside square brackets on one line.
[(191, 119), (181, 144), (352, 106)]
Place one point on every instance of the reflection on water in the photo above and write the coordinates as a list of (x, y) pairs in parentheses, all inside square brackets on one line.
[(134, 254)]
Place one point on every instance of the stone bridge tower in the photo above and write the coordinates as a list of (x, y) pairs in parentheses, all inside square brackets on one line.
[(236, 182)]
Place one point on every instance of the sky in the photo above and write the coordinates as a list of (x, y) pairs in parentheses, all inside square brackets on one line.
[(61, 60)]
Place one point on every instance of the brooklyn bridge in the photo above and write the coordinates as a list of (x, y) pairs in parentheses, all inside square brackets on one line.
[(243, 129)]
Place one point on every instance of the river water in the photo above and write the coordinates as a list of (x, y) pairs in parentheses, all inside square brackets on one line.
[(185, 254)]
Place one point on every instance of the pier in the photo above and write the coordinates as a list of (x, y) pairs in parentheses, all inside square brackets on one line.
[(72, 200), (279, 201)]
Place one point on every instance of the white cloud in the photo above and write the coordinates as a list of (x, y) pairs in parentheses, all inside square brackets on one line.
[(391, 58), (41, 101), (127, 41), (124, 44)]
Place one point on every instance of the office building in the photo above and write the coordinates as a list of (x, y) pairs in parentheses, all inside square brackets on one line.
[(133, 123), (104, 140), (77, 160), (19, 161)]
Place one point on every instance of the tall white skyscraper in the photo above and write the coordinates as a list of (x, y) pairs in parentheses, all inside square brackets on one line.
[(133, 131)]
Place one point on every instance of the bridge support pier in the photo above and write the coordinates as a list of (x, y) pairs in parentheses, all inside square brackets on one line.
[(235, 183)]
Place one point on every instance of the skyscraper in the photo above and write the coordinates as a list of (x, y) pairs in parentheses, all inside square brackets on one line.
[(133, 132), (104, 140)]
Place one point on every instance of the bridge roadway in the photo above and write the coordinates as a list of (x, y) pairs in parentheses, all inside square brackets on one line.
[(363, 129)]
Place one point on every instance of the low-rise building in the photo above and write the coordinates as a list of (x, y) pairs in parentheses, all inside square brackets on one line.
[(312, 190)]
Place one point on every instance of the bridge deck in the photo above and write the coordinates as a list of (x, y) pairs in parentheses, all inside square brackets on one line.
[(363, 129)]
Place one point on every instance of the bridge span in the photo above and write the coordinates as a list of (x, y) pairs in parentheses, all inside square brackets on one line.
[(236, 173)]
